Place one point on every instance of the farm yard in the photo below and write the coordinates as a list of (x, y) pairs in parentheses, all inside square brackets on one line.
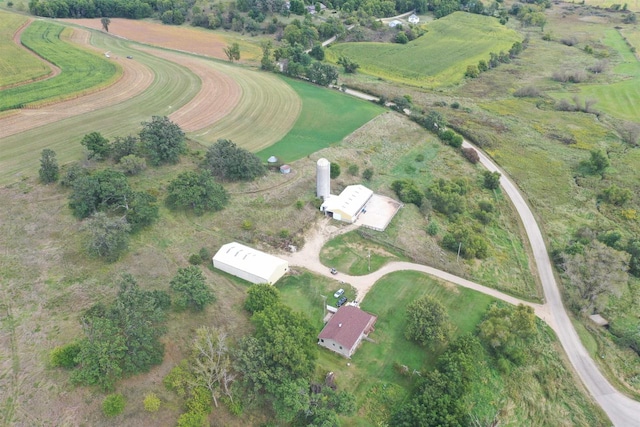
[(181, 72)]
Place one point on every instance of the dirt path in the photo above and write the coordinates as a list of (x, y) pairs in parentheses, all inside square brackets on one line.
[(55, 70)]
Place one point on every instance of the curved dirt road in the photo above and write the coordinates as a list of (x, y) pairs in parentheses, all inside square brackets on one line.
[(622, 410)]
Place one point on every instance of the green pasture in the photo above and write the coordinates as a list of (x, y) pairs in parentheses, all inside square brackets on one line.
[(327, 117), (16, 64), (352, 254), (173, 87), (81, 70), (620, 99), (438, 58)]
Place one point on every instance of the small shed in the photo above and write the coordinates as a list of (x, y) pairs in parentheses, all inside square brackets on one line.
[(413, 19), (250, 264), (599, 320), (285, 169), (395, 23)]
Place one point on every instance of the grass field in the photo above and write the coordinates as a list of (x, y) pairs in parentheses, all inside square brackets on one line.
[(16, 64), (438, 58), (81, 70), (353, 254), (327, 117), (620, 99)]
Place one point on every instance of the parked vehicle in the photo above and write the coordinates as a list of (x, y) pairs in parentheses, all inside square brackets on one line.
[(342, 301), (334, 271), (338, 293)]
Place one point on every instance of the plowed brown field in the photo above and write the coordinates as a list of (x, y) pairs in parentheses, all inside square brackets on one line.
[(179, 38)]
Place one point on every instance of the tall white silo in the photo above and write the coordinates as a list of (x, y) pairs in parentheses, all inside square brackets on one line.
[(323, 178)]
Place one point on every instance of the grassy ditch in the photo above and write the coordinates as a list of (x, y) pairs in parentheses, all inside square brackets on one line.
[(82, 70), (438, 58)]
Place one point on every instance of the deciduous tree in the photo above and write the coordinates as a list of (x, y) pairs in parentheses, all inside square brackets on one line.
[(233, 52), (191, 288), (197, 191), (162, 140), (491, 180), (49, 170), (427, 321), (105, 23), (599, 270), (226, 161), (97, 145), (261, 296)]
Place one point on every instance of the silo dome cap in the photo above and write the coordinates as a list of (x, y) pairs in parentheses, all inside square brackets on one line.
[(323, 162), (272, 159)]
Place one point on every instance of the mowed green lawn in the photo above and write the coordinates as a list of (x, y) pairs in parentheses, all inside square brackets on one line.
[(16, 63), (438, 58), (327, 117), (81, 69), (621, 99)]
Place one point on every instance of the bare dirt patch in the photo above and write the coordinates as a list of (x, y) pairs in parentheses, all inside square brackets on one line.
[(179, 38), (135, 79)]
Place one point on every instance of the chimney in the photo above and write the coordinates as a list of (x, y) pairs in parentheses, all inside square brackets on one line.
[(339, 325)]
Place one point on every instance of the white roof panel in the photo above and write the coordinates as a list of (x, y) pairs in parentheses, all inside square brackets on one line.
[(248, 259)]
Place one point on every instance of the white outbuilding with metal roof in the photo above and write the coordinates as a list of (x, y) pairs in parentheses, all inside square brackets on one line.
[(250, 264), (349, 204)]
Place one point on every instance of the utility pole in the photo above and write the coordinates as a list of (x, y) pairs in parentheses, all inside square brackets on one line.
[(369, 256), (459, 247)]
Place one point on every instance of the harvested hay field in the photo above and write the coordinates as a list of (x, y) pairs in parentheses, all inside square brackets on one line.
[(19, 65), (136, 78), (183, 38)]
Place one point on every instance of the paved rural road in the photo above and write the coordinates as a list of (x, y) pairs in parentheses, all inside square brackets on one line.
[(623, 411)]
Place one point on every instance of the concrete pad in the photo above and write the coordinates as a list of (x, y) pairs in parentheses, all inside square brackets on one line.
[(378, 212)]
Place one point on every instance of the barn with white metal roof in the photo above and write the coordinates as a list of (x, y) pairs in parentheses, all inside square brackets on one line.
[(250, 264), (348, 205)]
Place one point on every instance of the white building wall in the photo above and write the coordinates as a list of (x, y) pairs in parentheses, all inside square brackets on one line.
[(335, 346)]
